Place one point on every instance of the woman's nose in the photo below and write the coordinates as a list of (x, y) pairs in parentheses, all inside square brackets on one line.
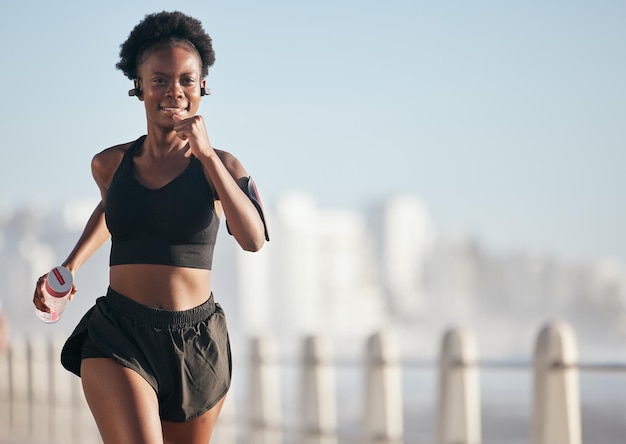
[(175, 90)]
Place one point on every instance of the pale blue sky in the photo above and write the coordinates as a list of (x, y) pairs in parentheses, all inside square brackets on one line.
[(506, 117)]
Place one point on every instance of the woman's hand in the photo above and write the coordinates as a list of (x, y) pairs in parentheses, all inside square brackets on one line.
[(39, 298), (194, 130)]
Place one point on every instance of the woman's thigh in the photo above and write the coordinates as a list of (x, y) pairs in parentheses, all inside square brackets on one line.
[(196, 431), (122, 402)]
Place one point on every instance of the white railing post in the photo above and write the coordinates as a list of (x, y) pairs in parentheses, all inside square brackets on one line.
[(459, 392), (318, 397), (20, 409), (264, 393), (556, 406), (383, 405), (5, 394), (39, 382), (60, 396)]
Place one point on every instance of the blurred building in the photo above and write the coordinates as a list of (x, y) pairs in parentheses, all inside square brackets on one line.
[(316, 275), (404, 237)]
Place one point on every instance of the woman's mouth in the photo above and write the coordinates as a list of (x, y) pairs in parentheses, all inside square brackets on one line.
[(174, 109)]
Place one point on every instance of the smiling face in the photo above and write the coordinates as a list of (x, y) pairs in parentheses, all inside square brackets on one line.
[(170, 81)]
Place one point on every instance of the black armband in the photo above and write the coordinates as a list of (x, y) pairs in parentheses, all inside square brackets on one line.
[(249, 189)]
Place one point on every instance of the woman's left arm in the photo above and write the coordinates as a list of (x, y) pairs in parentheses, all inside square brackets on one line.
[(230, 179), (245, 220)]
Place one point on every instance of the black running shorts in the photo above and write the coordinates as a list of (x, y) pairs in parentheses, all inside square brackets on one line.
[(184, 355)]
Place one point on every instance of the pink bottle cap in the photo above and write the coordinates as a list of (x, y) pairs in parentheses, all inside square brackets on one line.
[(59, 282)]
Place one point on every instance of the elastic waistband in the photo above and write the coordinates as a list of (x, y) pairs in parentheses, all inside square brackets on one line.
[(157, 317)]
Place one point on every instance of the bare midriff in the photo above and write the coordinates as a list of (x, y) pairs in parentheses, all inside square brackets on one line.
[(162, 286)]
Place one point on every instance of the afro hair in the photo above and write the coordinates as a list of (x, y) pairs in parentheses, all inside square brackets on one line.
[(164, 29)]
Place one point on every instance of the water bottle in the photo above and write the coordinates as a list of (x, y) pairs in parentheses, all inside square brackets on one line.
[(57, 290)]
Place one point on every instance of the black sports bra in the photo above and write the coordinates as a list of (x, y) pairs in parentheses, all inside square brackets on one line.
[(172, 225)]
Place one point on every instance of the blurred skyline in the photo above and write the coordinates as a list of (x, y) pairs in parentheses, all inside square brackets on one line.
[(347, 274), (506, 119)]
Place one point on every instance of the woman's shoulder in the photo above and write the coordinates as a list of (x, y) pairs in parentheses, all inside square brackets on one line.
[(233, 165), (229, 160), (105, 163)]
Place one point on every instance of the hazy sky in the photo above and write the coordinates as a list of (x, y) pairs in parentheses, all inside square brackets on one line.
[(506, 117)]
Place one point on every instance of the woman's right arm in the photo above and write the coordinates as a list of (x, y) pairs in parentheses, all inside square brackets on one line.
[(92, 238), (95, 233), (103, 167)]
